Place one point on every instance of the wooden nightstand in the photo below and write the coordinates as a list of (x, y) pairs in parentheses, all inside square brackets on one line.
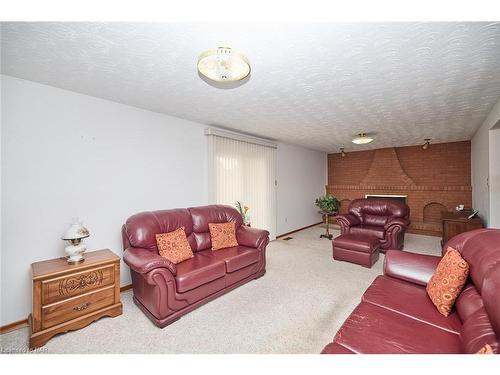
[(67, 297)]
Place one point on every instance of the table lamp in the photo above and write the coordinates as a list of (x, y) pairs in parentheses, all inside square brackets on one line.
[(74, 235)]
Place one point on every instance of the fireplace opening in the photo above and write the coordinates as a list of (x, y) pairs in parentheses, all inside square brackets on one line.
[(399, 198)]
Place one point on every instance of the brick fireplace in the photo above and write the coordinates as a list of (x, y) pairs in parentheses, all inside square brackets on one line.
[(433, 180)]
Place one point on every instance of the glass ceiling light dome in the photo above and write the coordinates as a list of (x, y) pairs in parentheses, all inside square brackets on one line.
[(362, 139), (223, 64)]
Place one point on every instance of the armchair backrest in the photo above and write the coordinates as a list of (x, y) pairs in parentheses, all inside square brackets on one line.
[(378, 212), (140, 229)]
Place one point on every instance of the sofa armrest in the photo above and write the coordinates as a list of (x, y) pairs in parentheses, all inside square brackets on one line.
[(405, 223), (415, 268), (252, 237), (142, 260), (348, 220)]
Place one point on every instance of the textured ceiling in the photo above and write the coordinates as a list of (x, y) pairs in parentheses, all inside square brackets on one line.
[(315, 85)]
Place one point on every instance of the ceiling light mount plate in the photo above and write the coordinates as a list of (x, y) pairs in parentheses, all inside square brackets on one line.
[(223, 64), (362, 139)]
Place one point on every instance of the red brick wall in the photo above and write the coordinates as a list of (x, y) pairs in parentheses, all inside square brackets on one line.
[(435, 179)]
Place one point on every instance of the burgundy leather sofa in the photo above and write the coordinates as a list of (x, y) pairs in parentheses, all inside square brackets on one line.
[(396, 316), (165, 291), (383, 218)]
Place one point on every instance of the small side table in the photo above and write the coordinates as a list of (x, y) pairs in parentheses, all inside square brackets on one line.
[(457, 222), (68, 297), (326, 216)]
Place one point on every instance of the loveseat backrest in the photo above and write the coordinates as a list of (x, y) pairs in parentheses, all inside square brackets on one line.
[(377, 211), (202, 216), (481, 249), (140, 230)]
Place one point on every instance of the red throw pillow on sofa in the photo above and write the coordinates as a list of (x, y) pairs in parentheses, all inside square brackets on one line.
[(448, 280), (174, 246), (223, 235)]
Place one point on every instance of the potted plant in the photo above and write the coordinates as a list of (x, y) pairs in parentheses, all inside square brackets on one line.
[(328, 205), (243, 210)]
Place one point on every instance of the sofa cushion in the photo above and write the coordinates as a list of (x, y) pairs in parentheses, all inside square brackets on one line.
[(222, 235), (468, 302), (236, 257), (448, 281), (368, 229), (140, 229), (174, 246), (375, 329), (197, 271), (410, 300)]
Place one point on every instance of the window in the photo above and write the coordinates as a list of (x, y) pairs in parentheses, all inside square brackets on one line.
[(243, 168)]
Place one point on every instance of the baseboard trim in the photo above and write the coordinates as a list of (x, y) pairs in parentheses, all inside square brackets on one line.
[(24, 323), (298, 230), (125, 288), (13, 326)]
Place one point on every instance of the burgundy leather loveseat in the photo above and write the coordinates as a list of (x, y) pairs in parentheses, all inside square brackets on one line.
[(383, 218), (396, 316), (165, 291)]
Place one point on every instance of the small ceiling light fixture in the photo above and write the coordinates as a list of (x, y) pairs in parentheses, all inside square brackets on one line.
[(223, 64), (342, 152), (362, 139), (425, 146)]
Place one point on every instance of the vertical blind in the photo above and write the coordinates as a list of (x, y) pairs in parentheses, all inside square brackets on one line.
[(245, 171)]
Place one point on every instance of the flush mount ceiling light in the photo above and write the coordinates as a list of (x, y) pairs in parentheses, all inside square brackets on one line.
[(362, 139), (223, 64)]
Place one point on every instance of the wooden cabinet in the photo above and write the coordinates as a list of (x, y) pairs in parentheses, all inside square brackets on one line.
[(456, 222), (70, 296)]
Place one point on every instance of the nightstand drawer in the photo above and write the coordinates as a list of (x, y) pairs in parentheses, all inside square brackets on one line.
[(77, 306), (61, 288)]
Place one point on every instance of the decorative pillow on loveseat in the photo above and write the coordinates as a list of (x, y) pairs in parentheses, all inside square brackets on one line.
[(223, 235), (448, 280), (174, 246)]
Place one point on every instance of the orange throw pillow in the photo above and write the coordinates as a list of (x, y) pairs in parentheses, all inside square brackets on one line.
[(486, 349), (174, 246), (223, 235), (448, 281)]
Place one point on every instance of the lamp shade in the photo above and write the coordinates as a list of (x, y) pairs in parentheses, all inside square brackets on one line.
[(75, 231)]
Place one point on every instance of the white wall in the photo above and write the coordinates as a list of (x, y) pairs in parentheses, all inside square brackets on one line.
[(480, 173), (64, 155), (495, 176), (483, 156), (302, 176)]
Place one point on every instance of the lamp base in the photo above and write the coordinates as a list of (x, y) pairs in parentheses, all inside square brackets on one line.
[(75, 253), (78, 261)]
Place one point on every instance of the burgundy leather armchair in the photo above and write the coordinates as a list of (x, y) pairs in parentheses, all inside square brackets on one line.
[(385, 219), (165, 291), (397, 316)]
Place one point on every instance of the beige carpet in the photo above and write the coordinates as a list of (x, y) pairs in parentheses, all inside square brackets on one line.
[(296, 307)]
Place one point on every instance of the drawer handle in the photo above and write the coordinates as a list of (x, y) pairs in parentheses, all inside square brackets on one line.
[(81, 307)]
